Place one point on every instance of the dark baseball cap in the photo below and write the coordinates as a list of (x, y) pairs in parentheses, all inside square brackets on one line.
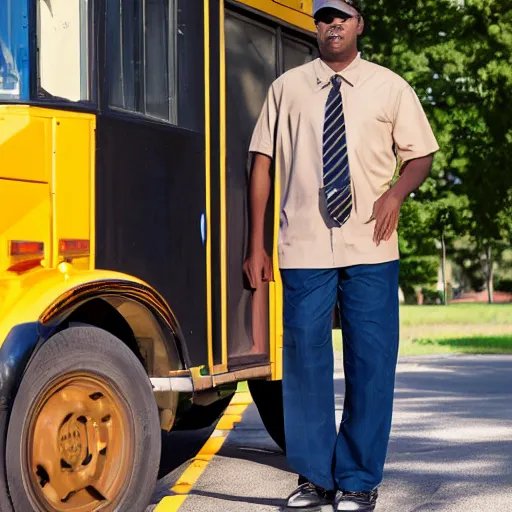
[(350, 7)]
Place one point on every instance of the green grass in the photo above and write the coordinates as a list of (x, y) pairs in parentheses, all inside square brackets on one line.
[(460, 328), (457, 314), (461, 344)]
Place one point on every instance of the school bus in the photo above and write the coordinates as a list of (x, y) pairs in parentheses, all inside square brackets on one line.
[(124, 129)]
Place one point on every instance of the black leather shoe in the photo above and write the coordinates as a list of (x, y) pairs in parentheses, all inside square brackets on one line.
[(309, 498), (358, 501)]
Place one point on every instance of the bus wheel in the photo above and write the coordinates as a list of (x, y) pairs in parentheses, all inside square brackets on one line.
[(268, 397), (84, 432)]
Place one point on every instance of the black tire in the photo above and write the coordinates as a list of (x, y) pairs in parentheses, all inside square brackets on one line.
[(93, 355), (268, 397)]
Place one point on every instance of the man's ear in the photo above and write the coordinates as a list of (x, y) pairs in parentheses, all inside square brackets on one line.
[(360, 26)]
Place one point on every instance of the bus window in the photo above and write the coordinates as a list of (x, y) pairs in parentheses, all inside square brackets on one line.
[(124, 52), (296, 53), (9, 75), (63, 48), (141, 46), (14, 82), (159, 87)]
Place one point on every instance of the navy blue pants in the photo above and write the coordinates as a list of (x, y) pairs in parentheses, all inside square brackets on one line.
[(353, 459)]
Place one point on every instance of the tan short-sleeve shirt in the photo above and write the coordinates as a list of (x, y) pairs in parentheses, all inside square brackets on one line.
[(382, 115)]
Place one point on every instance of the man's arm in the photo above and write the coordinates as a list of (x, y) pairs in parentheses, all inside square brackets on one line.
[(258, 265), (386, 210), (416, 144)]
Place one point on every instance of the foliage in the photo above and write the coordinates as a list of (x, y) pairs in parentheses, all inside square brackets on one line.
[(419, 260), (458, 59)]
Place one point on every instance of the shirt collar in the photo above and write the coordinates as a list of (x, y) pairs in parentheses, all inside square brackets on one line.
[(323, 73)]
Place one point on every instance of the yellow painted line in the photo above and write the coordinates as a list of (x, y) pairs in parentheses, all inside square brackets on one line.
[(236, 410), (241, 399), (228, 422), (170, 503), (191, 475)]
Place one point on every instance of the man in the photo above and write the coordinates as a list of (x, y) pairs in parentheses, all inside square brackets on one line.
[(333, 127)]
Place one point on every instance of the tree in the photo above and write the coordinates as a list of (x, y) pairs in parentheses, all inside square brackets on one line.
[(419, 260), (458, 59), (484, 131)]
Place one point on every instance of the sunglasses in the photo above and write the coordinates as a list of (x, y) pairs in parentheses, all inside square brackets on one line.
[(328, 16)]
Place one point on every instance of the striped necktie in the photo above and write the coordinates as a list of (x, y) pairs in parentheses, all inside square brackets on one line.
[(337, 189)]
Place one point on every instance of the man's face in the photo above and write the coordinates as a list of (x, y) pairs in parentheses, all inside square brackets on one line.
[(337, 32)]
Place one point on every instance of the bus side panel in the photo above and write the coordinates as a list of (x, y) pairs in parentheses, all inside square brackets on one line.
[(71, 184), (150, 198)]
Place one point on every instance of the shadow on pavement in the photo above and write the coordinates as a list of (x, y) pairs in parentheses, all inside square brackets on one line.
[(269, 502), (451, 447), (450, 451)]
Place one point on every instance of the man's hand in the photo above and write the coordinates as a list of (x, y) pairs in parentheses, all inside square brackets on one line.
[(258, 268), (386, 209), (386, 212)]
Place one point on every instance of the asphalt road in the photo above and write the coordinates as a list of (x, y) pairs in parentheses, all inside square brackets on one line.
[(451, 446)]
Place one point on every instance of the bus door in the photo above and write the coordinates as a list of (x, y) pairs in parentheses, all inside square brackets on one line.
[(250, 69), (257, 50)]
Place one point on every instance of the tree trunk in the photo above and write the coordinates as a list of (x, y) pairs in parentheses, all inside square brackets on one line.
[(443, 268), (489, 273)]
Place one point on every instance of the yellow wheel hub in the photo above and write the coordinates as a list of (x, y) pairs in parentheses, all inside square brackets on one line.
[(79, 446)]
